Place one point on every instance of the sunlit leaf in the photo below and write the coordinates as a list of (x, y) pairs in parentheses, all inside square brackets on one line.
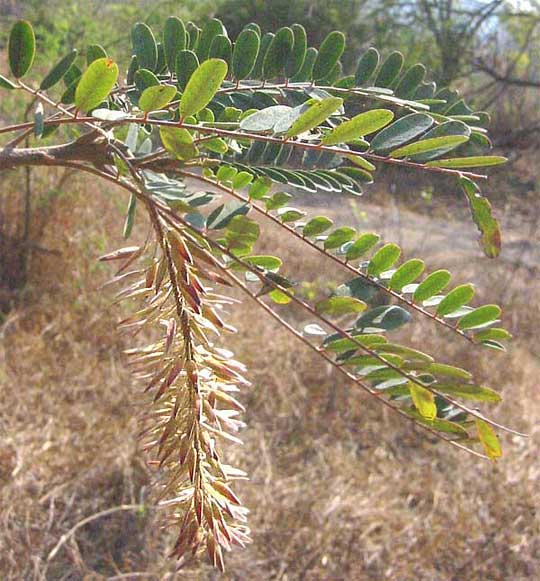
[(315, 115), (95, 84), (362, 124), (489, 440), (481, 212), (455, 299), (156, 97), (202, 86), (431, 285)]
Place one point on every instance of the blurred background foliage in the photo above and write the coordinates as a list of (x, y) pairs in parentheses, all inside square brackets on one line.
[(339, 490)]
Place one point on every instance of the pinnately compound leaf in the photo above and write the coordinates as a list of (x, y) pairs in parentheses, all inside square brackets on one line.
[(96, 83), (246, 49), (202, 86), (21, 48)]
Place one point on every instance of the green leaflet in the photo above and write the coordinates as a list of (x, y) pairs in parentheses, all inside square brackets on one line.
[(408, 272), (442, 130), (95, 84), (338, 306), (305, 73), (489, 439), (360, 246), (256, 73), (202, 86), (455, 299), (241, 233), (389, 70), (338, 237), (480, 317), (186, 64), (298, 54), (362, 124), (221, 48), (278, 53), (431, 285), (144, 46), (406, 352), (259, 188), (428, 145), (488, 226), (410, 81), (440, 425), (424, 401), (317, 226), (266, 262), (401, 131), (289, 214), (467, 162), (156, 97), (358, 287), (383, 318), (492, 334), (193, 33), (222, 215), (130, 216), (211, 29), (245, 53), (241, 180), (383, 259), (468, 391), (361, 162), (366, 66), (58, 71), (144, 79), (94, 52), (315, 115), (178, 141), (174, 40), (330, 52), (21, 48)]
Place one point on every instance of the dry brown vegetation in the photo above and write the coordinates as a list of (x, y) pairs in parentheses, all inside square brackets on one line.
[(339, 489)]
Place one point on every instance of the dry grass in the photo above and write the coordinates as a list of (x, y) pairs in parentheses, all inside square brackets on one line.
[(339, 489)]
